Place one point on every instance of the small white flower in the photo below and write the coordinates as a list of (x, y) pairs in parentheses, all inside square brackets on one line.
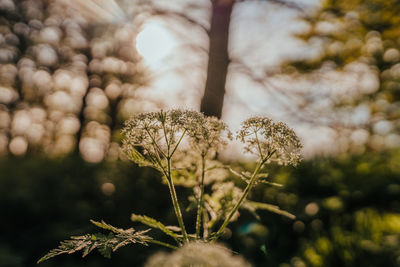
[(267, 139)]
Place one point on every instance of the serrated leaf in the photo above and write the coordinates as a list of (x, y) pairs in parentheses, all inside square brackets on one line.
[(105, 251), (271, 208), (73, 245), (154, 224), (106, 226), (105, 244)]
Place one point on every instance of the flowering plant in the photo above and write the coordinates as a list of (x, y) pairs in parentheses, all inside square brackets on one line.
[(182, 146)]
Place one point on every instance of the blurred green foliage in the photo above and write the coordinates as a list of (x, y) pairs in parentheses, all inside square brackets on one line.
[(46, 200), (348, 214), (348, 211), (359, 39)]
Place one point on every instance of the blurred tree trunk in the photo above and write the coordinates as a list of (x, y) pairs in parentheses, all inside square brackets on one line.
[(213, 98)]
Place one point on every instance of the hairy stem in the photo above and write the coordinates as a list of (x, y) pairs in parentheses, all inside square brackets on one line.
[(200, 201)]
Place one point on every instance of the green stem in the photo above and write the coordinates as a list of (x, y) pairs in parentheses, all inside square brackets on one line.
[(155, 144), (174, 198), (244, 195), (200, 202), (175, 202), (258, 145), (157, 160), (239, 203), (205, 227), (177, 144), (165, 136), (161, 243)]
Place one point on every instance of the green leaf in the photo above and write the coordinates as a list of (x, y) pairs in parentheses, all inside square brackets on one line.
[(76, 243), (105, 244), (271, 208), (106, 226), (263, 175), (173, 228), (261, 178), (270, 183), (263, 248), (215, 236), (154, 224)]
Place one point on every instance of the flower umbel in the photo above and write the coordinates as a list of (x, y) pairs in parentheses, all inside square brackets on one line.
[(198, 254), (267, 139), (159, 134), (209, 136)]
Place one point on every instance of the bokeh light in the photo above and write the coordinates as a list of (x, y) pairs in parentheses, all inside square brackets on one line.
[(18, 146), (154, 42)]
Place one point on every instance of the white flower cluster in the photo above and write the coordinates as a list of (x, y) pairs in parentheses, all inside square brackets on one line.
[(210, 136), (159, 133), (270, 140), (198, 254)]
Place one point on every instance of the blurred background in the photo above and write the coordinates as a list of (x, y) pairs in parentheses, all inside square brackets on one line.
[(72, 71)]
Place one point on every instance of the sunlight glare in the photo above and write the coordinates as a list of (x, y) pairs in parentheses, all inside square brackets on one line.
[(154, 43)]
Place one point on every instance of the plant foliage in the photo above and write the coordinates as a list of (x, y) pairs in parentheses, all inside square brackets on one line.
[(182, 146), (104, 243)]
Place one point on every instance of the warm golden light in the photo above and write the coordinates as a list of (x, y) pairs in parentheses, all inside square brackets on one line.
[(154, 43)]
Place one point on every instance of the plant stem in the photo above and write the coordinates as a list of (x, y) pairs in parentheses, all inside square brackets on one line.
[(242, 198), (175, 202), (177, 144), (161, 243), (200, 202), (157, 148), (205, 227), (258, 145)]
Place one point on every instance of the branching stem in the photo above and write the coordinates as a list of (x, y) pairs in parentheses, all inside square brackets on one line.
[(258, 145), (157, 148), (177, 144), (246, 191)]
